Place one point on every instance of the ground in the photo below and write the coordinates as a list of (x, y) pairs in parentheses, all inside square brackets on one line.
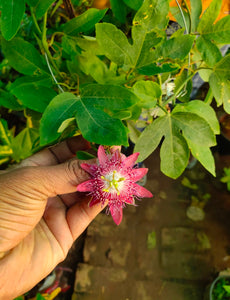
[(158, 252)]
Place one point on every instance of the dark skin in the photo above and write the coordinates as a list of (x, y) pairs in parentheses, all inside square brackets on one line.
[(41, 215)]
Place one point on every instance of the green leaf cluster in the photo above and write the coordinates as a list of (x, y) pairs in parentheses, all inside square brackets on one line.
[(112, 75)]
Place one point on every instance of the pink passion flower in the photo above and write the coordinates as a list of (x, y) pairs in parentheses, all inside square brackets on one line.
[(113, 180)]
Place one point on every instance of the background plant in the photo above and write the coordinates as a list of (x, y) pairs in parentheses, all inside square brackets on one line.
[(68, 69)]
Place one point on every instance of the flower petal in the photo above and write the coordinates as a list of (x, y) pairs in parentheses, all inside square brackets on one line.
[(142, 192), (130, 200), (116, 213), (102, 157), (89, 168), (130, 160), (139, 173), (86, 186), (94, 201)]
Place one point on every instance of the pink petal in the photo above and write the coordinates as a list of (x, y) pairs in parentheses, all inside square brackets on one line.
[(142, 192), (130, 160), (116, 213), (102, 157), (130, 200), (86, 186), (94, 201), (89, 168), (139, 173)]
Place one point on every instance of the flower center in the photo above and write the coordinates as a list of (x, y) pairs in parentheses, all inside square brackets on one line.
[(113, 182)]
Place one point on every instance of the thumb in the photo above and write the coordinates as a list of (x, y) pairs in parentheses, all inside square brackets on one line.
[(62, 178)]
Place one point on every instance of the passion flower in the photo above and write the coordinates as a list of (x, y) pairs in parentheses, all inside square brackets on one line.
[(113, 180)]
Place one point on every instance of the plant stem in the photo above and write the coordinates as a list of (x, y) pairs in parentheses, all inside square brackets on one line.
[(45, 45), (160, 84), (209, 97), (56, 7), (35, 21)]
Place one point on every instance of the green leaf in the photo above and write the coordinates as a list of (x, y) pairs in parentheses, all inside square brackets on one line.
[(222, 68), (40, 6), (203, 155), (221, 91), (134, 4), (100, 128), (23, 143), (152, 15), (5, 136), (11, 16), (5, 151), (151, 240), (219, 32), (119, 10), (110, 97), (176, 12), (196, 10), (114, 43), (148, 92), (84, 155), (84, 22), (201, 109), (34, 96), (210, 53), (209, 16), (178, 47), (194, 128), (157, 68), (9, 101), (23, 57), (150, 138), (174, 152), (62, 107)]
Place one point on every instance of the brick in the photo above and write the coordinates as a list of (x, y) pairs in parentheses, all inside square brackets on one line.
[(184, 239)]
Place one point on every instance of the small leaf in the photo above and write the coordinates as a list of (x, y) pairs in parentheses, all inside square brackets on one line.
[(210, 52), (150, 138), (100, 128), (40, 6), (9, 101), (23, 143), (204, 155), (23, 57), (174, 152), (114, 43), (148, 92), (151, 240), (34, 96), (11, 16), (62, 107), (156, 68), (84, 22), (209, 16), (196, 10), (177, 47), (201, 109), (5, 136), (110, 97), (152, 14), (119, 10), (84, 155), (219, 32), (222, 68), (134, 4), (194, 128)]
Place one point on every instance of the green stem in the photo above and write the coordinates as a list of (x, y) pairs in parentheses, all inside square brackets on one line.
[(45, 44), (56, 7), (35, 21), (160, 84), (162, 108), (209, 97)]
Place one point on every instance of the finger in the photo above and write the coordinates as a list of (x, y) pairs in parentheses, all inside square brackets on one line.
[(58, 153), (81, 215)]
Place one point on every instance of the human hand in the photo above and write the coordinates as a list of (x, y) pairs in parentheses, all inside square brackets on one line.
[(41, 215)]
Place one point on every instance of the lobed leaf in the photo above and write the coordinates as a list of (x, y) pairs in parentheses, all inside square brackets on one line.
[(209, 16), (210, 53)]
